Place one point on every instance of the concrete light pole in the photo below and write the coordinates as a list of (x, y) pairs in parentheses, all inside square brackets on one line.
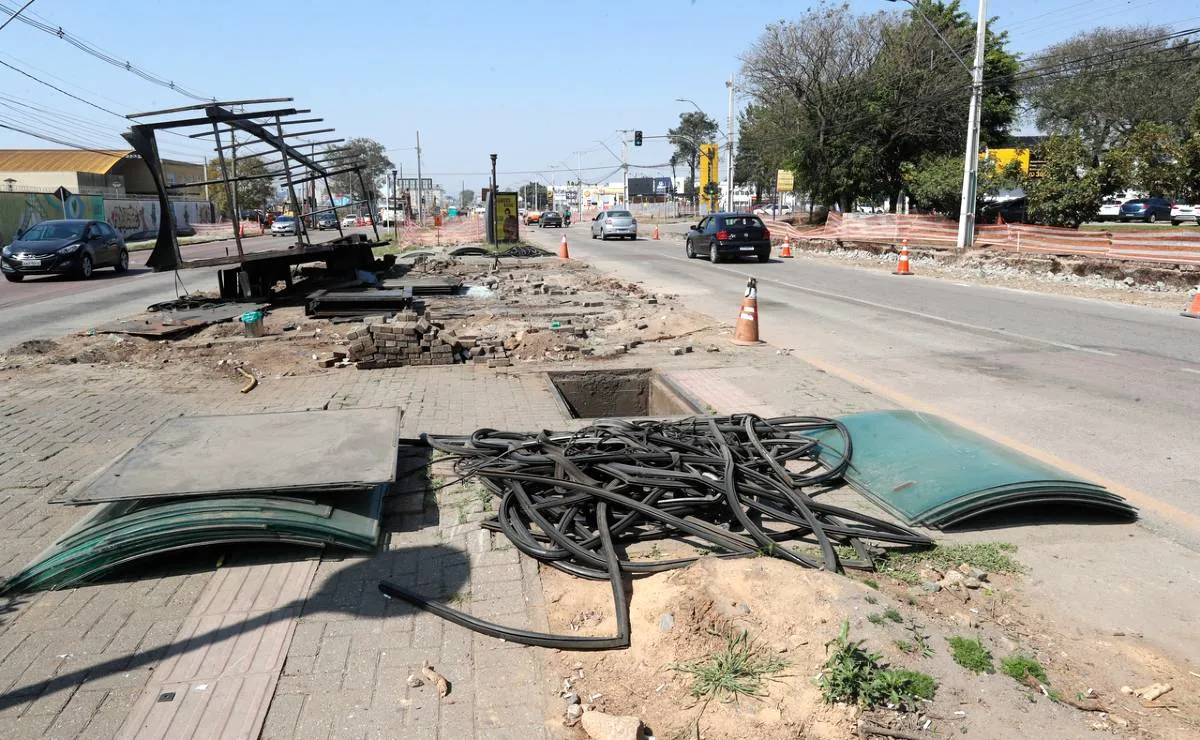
[(729, 149), (966, 213), (966, 210)]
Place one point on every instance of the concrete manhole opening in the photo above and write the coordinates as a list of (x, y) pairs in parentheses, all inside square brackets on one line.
[(592, 394)]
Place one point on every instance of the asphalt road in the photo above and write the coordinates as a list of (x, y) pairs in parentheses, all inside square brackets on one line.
[(1107, 387), (45, 307)]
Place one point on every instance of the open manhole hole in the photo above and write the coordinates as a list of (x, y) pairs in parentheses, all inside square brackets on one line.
[(592, 394)]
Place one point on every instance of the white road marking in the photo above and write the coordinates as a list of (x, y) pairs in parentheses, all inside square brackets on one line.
[(917, 314), (1190, 370)]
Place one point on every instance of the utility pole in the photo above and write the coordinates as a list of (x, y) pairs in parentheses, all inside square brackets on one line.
[(966, 217), (420, 195), (729, 149), (625, 166)]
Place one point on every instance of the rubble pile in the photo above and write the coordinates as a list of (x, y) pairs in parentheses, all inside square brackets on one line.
[(405, 339)]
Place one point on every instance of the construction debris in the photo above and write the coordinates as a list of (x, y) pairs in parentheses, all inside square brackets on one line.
[(737, 485), (406, 339)]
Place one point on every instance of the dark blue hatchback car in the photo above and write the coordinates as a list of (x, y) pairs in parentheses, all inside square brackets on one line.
[(1145, 209), (73, 246)]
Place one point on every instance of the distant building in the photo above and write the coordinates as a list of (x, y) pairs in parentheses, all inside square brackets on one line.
[(95, 172)]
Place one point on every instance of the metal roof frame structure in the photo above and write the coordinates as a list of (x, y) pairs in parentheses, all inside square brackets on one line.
[(267, 126)]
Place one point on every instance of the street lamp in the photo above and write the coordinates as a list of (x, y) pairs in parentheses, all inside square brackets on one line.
[(492, 206), (966, 211)]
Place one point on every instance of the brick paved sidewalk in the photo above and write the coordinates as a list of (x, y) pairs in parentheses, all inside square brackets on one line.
[(73, 663)]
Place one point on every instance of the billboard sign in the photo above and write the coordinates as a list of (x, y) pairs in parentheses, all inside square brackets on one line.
[(410, 183), (507, 224)]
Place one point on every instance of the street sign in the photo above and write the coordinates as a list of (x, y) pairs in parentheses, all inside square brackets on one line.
[(785, 181)]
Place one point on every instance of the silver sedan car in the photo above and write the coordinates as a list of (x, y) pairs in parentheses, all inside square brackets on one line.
[(620, 224)]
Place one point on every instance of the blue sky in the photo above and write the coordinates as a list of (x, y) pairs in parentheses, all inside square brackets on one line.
[(535, 82)]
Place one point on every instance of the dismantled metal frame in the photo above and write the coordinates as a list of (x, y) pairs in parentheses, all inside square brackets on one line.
[(266, 127)]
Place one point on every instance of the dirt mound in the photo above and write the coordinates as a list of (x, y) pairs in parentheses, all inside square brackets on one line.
[(685, 616), (34, 347)]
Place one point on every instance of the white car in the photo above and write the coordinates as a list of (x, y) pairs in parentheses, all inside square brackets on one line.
[(285, 225), (349, 221), (1183, 213), (1109, 210)]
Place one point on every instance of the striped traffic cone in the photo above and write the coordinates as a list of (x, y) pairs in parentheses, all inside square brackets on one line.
[(656, 232), (747, 325), (786, 250), (562, 249), (902, 267), (1193, 311)]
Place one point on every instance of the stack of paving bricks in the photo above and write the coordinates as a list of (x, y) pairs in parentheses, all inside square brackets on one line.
[(407, 339)]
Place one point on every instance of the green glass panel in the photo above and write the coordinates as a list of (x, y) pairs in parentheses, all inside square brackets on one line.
[(927, 470)]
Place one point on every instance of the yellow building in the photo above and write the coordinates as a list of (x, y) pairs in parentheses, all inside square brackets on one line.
[(102, 172)]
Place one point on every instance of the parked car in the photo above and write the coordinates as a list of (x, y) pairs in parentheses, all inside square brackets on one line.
[(620, 224), (285, 225), (532, 217), (1011, 211), (1145, 209), (1110, 209), (551, 218), (67, 246), (1184, 213), (349, 221), (723, 236), (326, 221)]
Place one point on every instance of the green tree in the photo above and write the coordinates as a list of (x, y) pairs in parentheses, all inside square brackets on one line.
[(1151, 157), (853, 100), (1191, 156), (251, 194), (466, 198), (1071, 183), (935, 182), (1102, 83), (762, 145), (535, 196), (370, 157), (694, 128), (920, 94)]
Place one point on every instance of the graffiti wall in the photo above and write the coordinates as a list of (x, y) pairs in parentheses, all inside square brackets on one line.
[(21, 210), (130, 216), (127, 215)]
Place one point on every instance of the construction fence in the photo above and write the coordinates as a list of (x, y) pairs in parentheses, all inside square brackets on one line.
[(1176, 246)]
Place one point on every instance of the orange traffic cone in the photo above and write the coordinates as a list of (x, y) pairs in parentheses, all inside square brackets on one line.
[(656, 232), (1193, 311), (747, 325), (902, 267), (241, 228), (786, 250), (562, 249)]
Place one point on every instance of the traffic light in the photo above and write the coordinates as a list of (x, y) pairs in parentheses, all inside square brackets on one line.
[(637, 138)]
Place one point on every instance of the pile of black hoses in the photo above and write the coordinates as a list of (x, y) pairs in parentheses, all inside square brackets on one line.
[(738, 486)]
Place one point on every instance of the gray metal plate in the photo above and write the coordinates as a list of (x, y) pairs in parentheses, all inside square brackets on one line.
[(299, 451)]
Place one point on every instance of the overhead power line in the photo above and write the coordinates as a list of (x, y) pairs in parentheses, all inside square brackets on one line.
[(14, 15), (100, 54)]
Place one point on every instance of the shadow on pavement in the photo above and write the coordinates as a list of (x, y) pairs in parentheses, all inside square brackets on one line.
[(394, 565)]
